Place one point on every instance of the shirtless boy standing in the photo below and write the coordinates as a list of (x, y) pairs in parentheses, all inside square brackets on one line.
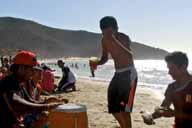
[(123, 84)]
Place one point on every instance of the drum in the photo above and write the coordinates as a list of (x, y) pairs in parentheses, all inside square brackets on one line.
[(68, 116)]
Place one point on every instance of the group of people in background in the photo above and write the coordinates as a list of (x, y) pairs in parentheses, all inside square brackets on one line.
[(5, 65), (23, 80), (45, 75)]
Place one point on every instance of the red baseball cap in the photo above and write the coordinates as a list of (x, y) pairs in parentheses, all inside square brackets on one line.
[(25, 58)]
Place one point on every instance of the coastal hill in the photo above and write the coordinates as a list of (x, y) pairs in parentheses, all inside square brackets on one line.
[(49, 42)]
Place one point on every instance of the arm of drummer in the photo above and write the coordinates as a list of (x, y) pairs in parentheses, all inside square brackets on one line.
[(55, 100), (28, 98), (104, 57), (23, 107)]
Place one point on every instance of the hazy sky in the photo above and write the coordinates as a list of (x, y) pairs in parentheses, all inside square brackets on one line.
[(165, 24)]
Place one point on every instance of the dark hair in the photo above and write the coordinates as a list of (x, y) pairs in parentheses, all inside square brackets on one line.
[(59, 61), (14, 68), (108, 21), (45, 67), (177, 58), (5, 59)]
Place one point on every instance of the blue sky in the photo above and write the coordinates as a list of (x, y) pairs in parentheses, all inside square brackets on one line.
[(165, 24)]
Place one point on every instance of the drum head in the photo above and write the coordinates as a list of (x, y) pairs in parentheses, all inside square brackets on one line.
[(71, 108)]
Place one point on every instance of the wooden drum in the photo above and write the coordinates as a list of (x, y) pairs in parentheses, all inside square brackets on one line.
[(68, 116)]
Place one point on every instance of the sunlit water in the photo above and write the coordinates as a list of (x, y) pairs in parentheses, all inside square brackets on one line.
[(151, 73)]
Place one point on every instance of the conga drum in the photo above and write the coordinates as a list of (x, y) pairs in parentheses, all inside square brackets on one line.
[(68, 116)]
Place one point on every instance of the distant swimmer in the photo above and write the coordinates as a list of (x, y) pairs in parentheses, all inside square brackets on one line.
[(76, 66), (72, 65)]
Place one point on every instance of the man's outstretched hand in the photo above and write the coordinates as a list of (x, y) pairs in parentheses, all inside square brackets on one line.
[(147, 118)]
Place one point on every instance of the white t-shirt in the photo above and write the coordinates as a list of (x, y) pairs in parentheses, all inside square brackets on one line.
[(71, 77)]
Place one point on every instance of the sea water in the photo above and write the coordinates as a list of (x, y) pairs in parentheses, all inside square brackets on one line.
[(151, 73)]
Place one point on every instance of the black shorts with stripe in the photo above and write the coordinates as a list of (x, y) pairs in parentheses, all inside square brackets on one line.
[(121, 91)]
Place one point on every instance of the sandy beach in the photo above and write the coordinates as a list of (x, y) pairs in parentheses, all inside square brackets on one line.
[(93, 94)]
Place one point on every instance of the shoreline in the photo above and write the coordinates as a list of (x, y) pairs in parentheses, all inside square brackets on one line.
[(158, 93)]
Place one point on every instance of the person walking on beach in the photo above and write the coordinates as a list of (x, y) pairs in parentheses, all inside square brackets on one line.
[(178, 93), (123, 84), (93, 65)]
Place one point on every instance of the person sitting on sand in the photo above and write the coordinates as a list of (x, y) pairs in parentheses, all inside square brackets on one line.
[(68, 79), (33, 86), (178, 94), (47, 83), (35, 89), (33, 92), (123, 84)]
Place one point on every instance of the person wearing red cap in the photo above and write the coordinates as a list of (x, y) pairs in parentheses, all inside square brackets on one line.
[(33, 91), (12, 102)]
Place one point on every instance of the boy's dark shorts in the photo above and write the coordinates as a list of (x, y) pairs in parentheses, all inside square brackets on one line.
[(121, 91)]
